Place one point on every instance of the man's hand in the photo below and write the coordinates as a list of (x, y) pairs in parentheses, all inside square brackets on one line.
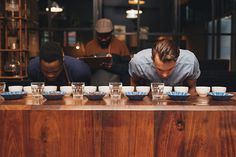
[(192, 86), (105, 65)]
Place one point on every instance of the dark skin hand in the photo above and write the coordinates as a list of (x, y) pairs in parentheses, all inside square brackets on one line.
[(106, 65)]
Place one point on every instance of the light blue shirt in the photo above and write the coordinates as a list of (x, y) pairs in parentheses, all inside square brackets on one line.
[(141, 66)]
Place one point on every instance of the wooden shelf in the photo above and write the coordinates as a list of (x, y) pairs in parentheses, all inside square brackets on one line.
[(17, 18), (13, 50), (13, 77), (19, 40)]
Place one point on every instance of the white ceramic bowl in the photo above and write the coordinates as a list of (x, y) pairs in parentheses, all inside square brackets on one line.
[(218, 89), (27, 89), (181, 89), (90, 89), (145, 89), (167, 89), (50, 88), (66, 89), (203, 91), (15, 88), (127, 89), (104, 89)]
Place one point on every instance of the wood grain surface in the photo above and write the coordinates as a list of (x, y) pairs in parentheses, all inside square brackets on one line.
[(69, 128)]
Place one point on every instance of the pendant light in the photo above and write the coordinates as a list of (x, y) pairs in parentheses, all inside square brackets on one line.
[(136, 1)]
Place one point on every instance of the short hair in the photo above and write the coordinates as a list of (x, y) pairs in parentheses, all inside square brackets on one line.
[(51, 51), (166, 49)]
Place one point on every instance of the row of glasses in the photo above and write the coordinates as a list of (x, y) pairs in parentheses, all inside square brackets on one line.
[(38, 88), (157, 89), (115, 89)]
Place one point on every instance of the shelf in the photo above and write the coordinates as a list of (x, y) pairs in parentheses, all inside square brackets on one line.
[(13, 50), (13, 77), (18, 24), (17, 18)]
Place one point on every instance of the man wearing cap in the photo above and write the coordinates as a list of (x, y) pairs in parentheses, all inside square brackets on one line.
[(106, 44)]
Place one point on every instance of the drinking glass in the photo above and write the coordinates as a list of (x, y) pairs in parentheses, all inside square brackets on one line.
[(2, 87), (37, 89), (157, 89), (115, 90), (78, 89)]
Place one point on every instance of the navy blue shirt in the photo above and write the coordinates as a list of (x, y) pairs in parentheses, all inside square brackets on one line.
[(78, 71)]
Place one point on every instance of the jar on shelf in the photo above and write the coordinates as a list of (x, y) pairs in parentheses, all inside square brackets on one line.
[(12, 65), (12, 8)]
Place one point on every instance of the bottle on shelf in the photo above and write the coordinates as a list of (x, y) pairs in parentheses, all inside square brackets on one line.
[(12, 8), (12, 65)]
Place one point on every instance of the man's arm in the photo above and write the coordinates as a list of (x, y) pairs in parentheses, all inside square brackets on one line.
[(133, 82), (192, 86)]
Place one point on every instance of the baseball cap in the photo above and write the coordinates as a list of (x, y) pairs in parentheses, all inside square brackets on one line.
[(104, 26)]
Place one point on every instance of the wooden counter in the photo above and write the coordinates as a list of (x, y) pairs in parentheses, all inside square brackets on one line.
[(197, 127)]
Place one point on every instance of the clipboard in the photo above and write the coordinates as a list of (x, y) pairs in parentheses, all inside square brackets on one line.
[(95, 62)]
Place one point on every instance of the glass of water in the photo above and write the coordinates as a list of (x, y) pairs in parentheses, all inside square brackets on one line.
[(115, 90), (2, 87), (78, 89), (157, 89), (37, 89)]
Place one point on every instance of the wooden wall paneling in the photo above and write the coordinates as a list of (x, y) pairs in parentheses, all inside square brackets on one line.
[(127, 134), (13, 133), (61, 133)]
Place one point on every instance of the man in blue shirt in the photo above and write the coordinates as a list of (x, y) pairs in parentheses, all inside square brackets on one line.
[(165, 63), (53, 68)]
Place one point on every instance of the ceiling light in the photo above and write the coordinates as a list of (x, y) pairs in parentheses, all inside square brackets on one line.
[(55, 8), (77, 47), (136, 1), (133, 14)]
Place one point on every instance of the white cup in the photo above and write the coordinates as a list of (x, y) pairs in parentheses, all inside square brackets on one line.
[(157, 89), (218, 89), (15, 88), (127, 89), (50, 88), (145, 89), (78, 89), (181, 89), (37, 89), (27, 89), (90, 89), (104, 89), (203, 91), (167, 89), (66, 89), (115, 90)]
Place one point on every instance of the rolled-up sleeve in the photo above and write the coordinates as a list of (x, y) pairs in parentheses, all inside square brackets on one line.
[(196, 72)]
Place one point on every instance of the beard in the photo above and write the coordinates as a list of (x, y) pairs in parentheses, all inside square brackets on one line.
[(104, 44)]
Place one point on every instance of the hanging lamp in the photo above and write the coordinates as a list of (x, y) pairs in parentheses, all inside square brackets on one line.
[(136, 1)]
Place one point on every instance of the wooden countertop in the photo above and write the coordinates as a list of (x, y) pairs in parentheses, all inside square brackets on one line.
[(193, 103), (199, 127)]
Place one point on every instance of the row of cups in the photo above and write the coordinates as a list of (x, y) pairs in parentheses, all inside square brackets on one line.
[(201, 90)]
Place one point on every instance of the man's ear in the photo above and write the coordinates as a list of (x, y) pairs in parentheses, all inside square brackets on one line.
[(62, 52)]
